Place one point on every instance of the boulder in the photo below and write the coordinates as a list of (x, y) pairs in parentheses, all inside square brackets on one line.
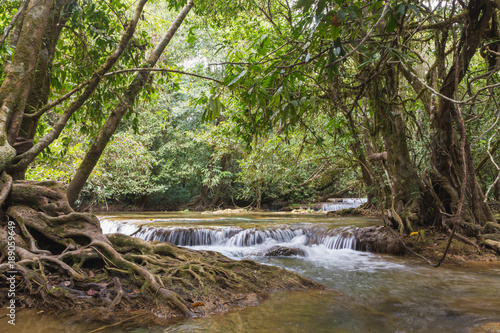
[(378, 239), (281, 251)]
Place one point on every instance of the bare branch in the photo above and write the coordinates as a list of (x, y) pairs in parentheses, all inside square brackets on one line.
[(441, 25), (467, 101)]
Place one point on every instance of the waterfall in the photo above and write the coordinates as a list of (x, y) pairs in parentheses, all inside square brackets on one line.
[(345, 203), (338, 238)]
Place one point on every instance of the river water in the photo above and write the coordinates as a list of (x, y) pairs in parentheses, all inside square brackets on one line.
[(368, 292)]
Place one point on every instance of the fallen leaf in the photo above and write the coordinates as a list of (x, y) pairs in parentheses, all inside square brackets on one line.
[(92, 292), (195, 304), (91, 274)]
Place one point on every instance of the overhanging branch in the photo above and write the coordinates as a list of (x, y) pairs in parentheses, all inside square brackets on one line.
[(162, 70)]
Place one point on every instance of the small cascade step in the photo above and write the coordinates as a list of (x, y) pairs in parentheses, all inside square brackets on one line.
[(345, 203), (338, 238)]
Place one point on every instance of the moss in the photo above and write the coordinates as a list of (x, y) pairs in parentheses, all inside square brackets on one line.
[(7, 153)]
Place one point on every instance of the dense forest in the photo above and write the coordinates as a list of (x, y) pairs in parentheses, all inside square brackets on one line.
[(198, 104)]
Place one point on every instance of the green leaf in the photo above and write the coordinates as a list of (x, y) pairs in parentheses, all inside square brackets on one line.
[(278, 91), (335, 32), (305, 4), (392, 24), (312, 101), (415, 10), (342, 15), (354, 12), (321, 7), (401, 11), (237, 78)]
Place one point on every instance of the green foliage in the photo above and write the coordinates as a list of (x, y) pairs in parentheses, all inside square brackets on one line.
[(124, 173), (281, 126)]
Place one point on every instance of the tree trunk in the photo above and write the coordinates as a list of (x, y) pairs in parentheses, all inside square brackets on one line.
[(364, 164), (451, 156), (22, 161), (19, 74), (404, 182), (23, 131)]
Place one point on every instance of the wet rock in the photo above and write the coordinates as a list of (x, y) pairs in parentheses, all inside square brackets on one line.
[(279, 205), (307, 211), (281, 251), (378, 239)]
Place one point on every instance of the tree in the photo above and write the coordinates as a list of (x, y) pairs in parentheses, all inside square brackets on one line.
[(372, 62), (55, 247)]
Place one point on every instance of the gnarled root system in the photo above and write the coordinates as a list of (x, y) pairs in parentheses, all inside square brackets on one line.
[(64, 261)]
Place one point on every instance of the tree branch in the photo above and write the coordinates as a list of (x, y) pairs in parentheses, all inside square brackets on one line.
[(161, 70), (368, 34), (23, 160), (13, 21), (57, 101), (108, 129)]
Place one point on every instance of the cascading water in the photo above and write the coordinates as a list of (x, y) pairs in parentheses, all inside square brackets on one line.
[(234, 237), (369, 292), (345, 203)]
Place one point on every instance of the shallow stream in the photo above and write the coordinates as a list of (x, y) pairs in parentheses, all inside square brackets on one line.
[(369, 292)]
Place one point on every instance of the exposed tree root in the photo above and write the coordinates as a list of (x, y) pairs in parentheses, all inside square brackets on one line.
[(65, 261)]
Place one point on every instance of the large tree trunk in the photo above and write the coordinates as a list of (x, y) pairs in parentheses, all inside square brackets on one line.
[(19, 75), (452, 173), (23, 131), (364, 164), (22, 161), (96, 149), (402, 210)]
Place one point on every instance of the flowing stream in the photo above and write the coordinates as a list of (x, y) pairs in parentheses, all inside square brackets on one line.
[(369, 292)]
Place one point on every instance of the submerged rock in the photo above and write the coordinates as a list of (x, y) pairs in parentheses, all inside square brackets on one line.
[(307, 211), (335, 200), (378, 239), (281, 251)]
